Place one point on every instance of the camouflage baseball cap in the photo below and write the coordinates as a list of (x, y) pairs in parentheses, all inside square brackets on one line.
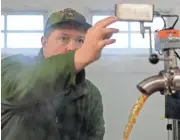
[(66, 15)]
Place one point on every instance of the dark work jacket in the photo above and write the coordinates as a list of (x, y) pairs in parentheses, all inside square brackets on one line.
[(44, 99)]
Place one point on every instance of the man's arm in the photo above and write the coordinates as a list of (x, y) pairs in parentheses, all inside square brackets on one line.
[(20, 74), (96, 128), (22, 79)]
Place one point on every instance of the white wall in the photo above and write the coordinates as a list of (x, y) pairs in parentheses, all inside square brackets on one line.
[(117, 82), (84, 5)]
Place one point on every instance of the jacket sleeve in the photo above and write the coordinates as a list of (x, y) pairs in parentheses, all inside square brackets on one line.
[(96, 128), (20, 74)]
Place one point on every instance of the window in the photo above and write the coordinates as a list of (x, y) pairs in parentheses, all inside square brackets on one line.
[(2, 40), (129, 36), (21, 30), (25, 22), (138, 42), (119, 43), (25, 40), (2, 34), (123, 26), (2, 23)]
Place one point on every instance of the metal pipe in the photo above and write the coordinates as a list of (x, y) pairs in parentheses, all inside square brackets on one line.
[(176, 82), (152, 84)]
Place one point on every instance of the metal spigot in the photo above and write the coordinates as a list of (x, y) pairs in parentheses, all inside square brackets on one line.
[(165, 81)]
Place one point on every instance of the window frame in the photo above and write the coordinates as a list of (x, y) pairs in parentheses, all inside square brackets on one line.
[(121, 51), (30, 51)]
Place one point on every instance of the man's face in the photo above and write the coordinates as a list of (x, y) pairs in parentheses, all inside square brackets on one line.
[(62, 39)]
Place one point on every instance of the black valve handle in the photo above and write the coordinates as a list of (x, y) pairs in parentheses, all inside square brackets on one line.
[(153, 58)]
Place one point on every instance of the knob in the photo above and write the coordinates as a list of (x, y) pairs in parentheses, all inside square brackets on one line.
[(154, 59)]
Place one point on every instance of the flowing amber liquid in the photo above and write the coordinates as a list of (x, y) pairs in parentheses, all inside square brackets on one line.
[(134, 114)]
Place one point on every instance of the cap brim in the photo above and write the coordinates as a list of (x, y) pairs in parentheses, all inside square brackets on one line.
[(83, 24)]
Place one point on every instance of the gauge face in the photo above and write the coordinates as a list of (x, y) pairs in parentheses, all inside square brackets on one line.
[(172, 106), (134, 12)]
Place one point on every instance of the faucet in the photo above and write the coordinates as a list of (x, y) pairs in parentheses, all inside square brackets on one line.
[(164, 82)]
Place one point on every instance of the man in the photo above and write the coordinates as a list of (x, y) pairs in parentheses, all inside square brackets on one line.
[(48, 98), (82, 117)]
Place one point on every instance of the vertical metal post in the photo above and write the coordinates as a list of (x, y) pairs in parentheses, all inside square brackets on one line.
[(169, 53), (175, 129)]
